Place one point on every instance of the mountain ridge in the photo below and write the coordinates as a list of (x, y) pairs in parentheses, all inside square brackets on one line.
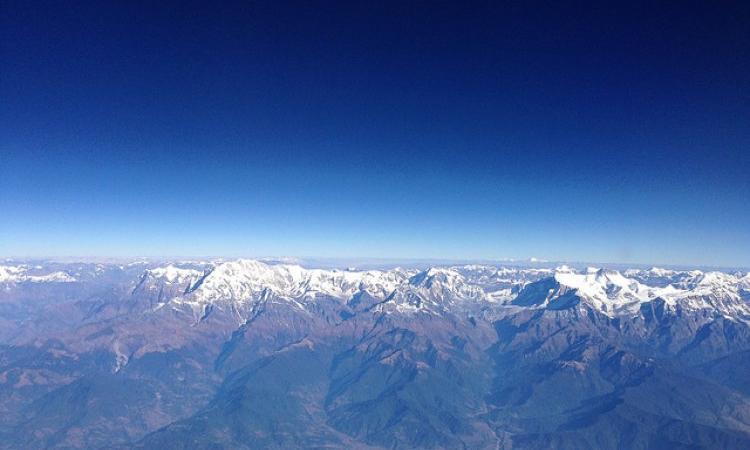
[(247, 354)]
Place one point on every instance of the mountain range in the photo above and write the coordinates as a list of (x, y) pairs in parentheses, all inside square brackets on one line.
[(252, 354)]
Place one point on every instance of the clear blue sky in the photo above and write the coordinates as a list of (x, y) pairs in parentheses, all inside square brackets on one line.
[(593, 132)]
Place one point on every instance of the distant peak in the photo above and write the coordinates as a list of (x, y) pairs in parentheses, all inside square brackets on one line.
[(20, 273), (172, 273)]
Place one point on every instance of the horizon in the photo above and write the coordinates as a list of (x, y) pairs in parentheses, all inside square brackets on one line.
[(368, 263)]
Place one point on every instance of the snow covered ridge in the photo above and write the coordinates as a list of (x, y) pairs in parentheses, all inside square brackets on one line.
[(244, 282), (244, 279), (173, 274), (20, 274), (611, 292)]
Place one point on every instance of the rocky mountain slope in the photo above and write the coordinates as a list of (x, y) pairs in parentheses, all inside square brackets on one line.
[(246, 354)]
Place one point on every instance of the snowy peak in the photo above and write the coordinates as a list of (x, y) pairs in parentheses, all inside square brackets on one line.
[(601, 284), (434, 290), (11, 273), (437, 277), (244, 279), (22, 273), (744, 282), (243, 283), (709, 281), (173, 274), (607, 291), (654, 272), (613, 293), (659, 272)]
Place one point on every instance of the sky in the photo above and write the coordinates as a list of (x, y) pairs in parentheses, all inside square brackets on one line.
[(583, 132)]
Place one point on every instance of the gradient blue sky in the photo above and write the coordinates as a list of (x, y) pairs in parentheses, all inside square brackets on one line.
[(590, 132)]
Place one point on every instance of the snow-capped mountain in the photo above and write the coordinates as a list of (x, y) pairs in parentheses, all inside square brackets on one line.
[(610, 292), (244, 281), (371, 358), (23, 273), (174, 274), (241, 280)]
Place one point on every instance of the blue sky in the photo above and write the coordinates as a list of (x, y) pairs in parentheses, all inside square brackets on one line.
[(471, 131)]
